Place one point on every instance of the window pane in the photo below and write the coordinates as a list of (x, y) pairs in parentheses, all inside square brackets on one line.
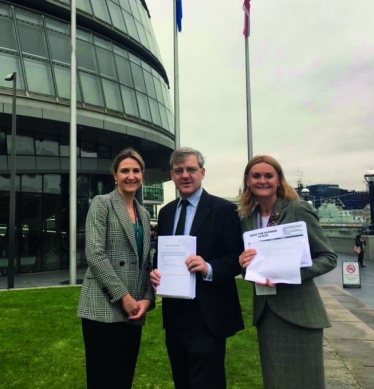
[(137, 73), (100, 10), (135, 10), (39, 77), (124, 72), (92, 93), (46, 145), (149, 83), (125, 5), (24, 143), (164, 118), (129, 101), (32, 183), (32, 40), (155, 113), (112, 95), (144, 110), (84, 5), (141, 32), (116, 15), (64, 147), (63, 83), (7, 34), (160, 96), (60, 47), (106, 63), (130, 23), (9, 64), (2, 143), (52, 183), (89, 150), (86, 56)]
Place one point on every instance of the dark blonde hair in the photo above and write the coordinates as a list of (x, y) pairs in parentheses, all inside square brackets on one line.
[(127, 153), (247, 200)]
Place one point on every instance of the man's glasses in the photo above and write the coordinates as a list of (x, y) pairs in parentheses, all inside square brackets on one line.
[(189, 169)]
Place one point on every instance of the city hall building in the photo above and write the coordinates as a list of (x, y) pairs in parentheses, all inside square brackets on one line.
[(122, 100)]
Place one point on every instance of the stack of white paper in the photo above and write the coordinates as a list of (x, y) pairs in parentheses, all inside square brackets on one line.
[(281, 252), (176, 280)]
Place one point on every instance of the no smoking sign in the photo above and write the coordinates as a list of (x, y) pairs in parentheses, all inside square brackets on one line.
[(351, 275)]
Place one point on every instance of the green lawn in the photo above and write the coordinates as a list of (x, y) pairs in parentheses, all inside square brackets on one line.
[(41, 344)]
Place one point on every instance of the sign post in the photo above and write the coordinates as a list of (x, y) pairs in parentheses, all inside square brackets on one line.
[(351, 275)]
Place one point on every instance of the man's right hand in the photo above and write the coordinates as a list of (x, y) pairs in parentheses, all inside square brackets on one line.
[(155, 278)]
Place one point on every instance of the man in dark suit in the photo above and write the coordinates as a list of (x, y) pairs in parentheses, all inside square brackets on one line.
[(196, 330)]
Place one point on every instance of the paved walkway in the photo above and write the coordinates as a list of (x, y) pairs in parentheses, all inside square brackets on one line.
[(348, 344)]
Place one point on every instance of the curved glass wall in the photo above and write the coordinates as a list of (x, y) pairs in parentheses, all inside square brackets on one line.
[(128, 16), (109, 78)]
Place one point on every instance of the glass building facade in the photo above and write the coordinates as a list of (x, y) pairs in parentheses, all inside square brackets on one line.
[(123, 100)]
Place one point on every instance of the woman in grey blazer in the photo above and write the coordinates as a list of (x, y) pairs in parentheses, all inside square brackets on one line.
[(289, 318), (116, 291)]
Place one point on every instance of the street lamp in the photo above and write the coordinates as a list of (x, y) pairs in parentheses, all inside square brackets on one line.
[(369, 178), (305, 193), (12, 207)]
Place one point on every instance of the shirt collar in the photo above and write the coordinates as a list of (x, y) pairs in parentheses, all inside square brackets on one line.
[(194, 198)]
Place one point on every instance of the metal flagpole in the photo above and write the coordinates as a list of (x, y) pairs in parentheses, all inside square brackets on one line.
[(73, 151), (248, 101), (246, 8), (176, 80)]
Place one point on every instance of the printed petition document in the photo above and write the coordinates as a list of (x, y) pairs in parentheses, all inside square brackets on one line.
[(176, 280)]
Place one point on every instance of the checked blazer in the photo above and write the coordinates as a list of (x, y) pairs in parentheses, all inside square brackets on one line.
[(114, 268), (297, 304), (216, 226)]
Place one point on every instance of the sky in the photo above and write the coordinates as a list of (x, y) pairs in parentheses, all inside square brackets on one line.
[(312, 87)]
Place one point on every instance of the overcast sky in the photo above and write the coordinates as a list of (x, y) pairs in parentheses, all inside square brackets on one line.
[(312, 87)]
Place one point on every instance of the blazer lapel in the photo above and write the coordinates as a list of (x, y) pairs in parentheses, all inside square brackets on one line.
[(279, 211), (123, 217), (202, 212)]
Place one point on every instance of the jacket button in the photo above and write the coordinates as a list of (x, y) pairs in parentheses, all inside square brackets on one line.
[(122, 263)]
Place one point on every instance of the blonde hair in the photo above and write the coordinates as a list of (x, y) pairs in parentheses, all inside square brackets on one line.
[(247, 200)]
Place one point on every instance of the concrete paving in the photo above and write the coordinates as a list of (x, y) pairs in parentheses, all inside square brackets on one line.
[(348, 344)]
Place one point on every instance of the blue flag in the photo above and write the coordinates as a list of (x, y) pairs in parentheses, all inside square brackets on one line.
[(179, 15)]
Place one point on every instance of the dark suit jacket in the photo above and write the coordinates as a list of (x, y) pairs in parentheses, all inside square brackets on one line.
[(298, 304), (113, 262), (217, 227)]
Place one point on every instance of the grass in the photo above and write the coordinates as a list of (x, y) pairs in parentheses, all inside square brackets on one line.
[(41, 344)]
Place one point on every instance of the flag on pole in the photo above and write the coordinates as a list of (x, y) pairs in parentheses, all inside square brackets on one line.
[(179, 15), (246, 8)]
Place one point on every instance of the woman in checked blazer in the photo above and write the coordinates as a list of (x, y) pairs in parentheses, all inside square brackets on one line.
[(116, 291), (289, 317)]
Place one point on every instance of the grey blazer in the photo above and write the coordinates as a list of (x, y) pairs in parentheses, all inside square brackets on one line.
[(298, 304), (113, 263)]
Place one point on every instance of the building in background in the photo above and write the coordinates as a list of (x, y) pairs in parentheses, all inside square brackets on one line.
[(123, 100)]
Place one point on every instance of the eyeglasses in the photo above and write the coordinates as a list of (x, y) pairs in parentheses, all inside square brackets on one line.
[(178, 171)]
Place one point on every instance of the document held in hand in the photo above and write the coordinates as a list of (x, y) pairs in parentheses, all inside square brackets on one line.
[(281, 252), (172, 252)]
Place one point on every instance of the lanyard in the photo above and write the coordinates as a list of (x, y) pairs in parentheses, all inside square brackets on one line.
[(137, 226)]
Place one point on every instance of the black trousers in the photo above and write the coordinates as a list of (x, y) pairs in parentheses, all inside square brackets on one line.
[(360, 258), (197, 358), (111, 353)]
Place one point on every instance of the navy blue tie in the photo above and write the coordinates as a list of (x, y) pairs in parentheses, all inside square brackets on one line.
[(182, 218)]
